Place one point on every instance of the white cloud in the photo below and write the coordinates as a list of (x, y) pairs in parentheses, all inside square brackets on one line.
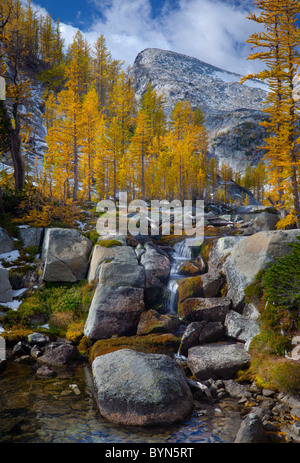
[(214, 31)]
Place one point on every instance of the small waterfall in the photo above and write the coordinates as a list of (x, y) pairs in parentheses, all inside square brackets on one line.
[(181, 254), (182, 250)]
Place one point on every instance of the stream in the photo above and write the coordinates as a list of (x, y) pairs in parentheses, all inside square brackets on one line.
[(36, 410), (181, 253)]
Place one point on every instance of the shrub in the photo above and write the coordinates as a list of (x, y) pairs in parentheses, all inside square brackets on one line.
[(60, 304)]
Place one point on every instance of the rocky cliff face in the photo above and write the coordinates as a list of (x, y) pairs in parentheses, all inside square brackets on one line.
[(232, 111)]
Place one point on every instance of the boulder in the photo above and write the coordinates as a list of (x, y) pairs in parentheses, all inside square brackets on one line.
[(6, 294), (221, 250), (38, 338), (219, 360), (114, 311), (262, 222), (157, 271), (241, 328), (213, 309), (157, 266), (134, 388), (190, 337), (66, 255), (117, 254), (251, 311), (31, 237), (189, 269), (188, 288), (122, 274), (251, 431), (236, 390), (212, 332), (6, 243), (58, 354), (212, 283), (252, 254), (153, 322)]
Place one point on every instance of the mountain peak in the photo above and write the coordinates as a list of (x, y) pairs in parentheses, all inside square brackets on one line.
[(232, 111)]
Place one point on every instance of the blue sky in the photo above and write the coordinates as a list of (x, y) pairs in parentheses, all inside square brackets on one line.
[(214, 31)]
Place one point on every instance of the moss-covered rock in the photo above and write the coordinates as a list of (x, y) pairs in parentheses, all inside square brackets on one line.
[(153, 322), (213, 309), (109, 243), (152, 343), (188, 288), (189, 269)]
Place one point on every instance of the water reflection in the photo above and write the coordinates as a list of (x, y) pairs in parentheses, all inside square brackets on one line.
[(48, 411)]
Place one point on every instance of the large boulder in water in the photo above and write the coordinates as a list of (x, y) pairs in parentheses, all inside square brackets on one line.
[(66, 255), (134, 388), (250, 256)]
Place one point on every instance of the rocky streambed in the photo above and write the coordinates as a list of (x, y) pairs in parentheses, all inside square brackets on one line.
[(140, 367)]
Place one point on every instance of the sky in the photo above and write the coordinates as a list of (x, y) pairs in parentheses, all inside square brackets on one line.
[(214, 31)]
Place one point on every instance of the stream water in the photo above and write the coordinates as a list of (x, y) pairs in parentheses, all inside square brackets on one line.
[(49, 411), (36, 410), (181, 253)]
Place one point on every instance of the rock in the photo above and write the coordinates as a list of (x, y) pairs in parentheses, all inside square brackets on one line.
[(211, 332), (264, 221), (251, 431), (6, 243), (250, 256), (217, 360), (235, 389), (157, 271), (44, 372), (212, 283), (6, 294), (212, 309), (153, 322), (36, 352), (221, 250), (114, 311), (188, 288), (295, 354), (189, 269), (154, 343), (122, 274), (58, 354), (66, 255), (251, 311), (157, 266), (133, 388), (240, 327), (31, 237), (116, 254), (21, 349), (38, 338), (190, 337)]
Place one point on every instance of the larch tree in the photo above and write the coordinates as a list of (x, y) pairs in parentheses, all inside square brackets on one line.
[(89, 120), (278, 47)]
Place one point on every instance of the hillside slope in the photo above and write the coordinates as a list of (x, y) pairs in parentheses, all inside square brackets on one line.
[(232, 111)]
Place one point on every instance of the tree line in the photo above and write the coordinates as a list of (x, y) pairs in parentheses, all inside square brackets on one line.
[(101, 141)]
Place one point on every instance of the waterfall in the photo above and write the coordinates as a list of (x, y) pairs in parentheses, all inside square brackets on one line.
[(181, 254), (182, 250)]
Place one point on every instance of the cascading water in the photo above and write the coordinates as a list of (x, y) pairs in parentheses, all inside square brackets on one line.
[(181, 253)]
